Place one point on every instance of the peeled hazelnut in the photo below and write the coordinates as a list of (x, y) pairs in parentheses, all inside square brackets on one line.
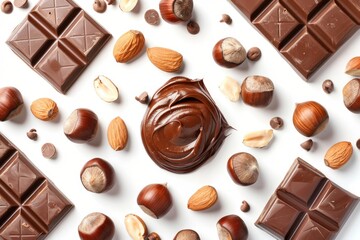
[(155, 200), (127, 5), (187, 234), (11, 103), (231, 89), (96, 226), (229, 52), (351, 95), (44, 109), (257, 91), (176, 10), (81, 126), (258, 139), (231, 227), (243, 168), (97, 175), (135, 227), (106, 89), (117, 134), (153, 236), (310, 118)]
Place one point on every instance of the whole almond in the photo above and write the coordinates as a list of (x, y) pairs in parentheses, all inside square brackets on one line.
[(117, 134), (128, 46), (165, 59), (44, 109), (353, 67), (203, 198), (338, 155)]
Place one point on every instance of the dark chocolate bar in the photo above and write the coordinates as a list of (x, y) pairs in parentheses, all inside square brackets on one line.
[(306, 205), (30, 204), (58, 40), (305, 32)]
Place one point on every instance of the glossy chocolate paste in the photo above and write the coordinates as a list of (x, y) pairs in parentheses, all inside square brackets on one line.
[(182, 126)]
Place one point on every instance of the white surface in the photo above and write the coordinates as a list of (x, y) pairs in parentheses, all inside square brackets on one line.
[(134, 169)]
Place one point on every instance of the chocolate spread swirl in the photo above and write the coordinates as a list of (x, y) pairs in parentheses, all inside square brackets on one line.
[(182, 126)]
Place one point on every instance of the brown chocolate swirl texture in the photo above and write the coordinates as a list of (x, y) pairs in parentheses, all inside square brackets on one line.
[(182, 126)]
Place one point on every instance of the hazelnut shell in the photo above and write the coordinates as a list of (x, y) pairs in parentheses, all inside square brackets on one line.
[(170, 14), (243, 168), (101, 169), (257, 91), (218, 55), (232, 227), (351, 95), (81, 126), (155, 200), (11, 103)]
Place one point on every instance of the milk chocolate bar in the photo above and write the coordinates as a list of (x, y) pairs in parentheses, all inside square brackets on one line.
[(30, 204), (58, 40), (306, 205), (305, 32)]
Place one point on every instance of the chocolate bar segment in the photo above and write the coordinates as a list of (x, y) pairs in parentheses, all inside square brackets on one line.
[(30, 205), (305, 32), (58, 40), (306, 205)]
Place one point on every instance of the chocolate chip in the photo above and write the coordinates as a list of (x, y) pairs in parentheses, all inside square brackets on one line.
[(143, 97), (32, 134), (245, 207), (358, 143), (48, 150), (152, 17), (226, 19), (328, 86), (99, 6), (276, 123), (307, 145), (21, 3), (6, 7), (254, 54), (193, 27)]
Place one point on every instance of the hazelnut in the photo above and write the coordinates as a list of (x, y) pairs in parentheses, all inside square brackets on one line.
[(44, 109), (231, 89), (310, 118), (135, 227), (231, 227), (96, 226), (351, 95), (106, 89), (11, 103), (117, 134), (153, 236), (257, 91), (229, 52), (243, 168), (187, 234), (155, 200), (176, 10), (97, 175), (127, 5), (81, 126)]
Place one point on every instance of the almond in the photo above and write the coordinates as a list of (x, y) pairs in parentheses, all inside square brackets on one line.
[(338, 155), (203, 198), (258, 139), (44, 109), (353, 67), (165, 59), (117, 134), (128, 46)]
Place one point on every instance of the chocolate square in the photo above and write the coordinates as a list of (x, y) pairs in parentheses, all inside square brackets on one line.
[(306, 205), (58, 40), (305, 32)]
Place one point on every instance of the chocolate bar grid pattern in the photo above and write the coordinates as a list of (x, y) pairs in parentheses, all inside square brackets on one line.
[(58, 40), (306, 32), (306, 205), (30, 205)]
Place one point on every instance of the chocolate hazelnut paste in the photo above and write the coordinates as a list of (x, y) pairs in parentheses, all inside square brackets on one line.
[(182, 126)]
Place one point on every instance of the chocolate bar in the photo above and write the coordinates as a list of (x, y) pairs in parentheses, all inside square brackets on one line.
[(306, 205), (305, 32), (30, 205), (58, 40)]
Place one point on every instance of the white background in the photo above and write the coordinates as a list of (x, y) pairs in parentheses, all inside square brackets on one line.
[(134, 169)]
